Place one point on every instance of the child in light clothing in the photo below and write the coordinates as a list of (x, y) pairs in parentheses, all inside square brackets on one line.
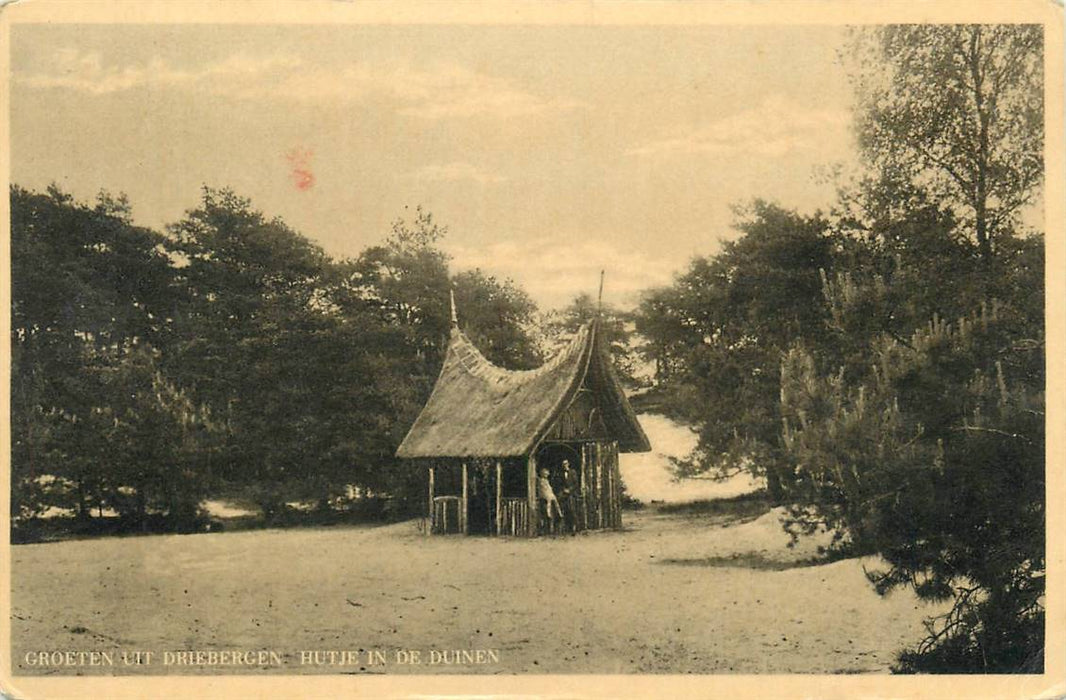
[(549, 504)]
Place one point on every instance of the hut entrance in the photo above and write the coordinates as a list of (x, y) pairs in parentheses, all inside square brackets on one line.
[(595, 501), (551, 456)]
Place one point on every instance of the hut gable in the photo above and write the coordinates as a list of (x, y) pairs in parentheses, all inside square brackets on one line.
[(582, 419), (480, 410)]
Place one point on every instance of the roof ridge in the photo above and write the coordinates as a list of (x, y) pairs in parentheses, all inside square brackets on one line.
[(476, 364), (587, 337), (477, 409)]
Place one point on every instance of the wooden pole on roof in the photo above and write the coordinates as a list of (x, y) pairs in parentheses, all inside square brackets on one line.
[(599, 297), (455, 317)]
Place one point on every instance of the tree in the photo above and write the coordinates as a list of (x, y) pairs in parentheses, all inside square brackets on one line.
[(925, 442), (241, 274), (954, 111), (498, 317), (659, 321), (157, 443), (230, 355), (815, 352), (88, 289), (408, 278), (935, 461), (616, 329), (401, 288), (248, 337), (724, 325)]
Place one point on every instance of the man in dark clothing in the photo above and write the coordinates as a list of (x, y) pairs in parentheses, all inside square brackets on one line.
[(569, 491)]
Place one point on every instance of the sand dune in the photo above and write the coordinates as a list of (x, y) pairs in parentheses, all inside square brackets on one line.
[(670, 594), (648, 476)]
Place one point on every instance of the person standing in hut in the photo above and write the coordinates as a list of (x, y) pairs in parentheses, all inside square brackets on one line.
[(568, 493), (548, 504)]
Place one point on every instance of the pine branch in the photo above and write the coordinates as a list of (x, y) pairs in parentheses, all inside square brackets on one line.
[(978, 429)]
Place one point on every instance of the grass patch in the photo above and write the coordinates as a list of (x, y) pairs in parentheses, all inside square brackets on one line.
[(747, 560), (746, 505)]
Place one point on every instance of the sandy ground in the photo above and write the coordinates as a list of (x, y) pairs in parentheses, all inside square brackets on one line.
[(648, 476), (670, 594)]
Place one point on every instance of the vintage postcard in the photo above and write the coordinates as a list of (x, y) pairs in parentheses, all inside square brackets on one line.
[(600, 349)]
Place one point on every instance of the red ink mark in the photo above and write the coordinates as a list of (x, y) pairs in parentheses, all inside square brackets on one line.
[(300, 162)]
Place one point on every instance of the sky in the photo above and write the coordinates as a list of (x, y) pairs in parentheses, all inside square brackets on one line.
[(549, 152)]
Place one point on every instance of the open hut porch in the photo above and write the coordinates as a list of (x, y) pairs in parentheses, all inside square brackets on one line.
[(498, 496)]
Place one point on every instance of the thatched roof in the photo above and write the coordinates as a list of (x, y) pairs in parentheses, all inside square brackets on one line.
[(480, 410)]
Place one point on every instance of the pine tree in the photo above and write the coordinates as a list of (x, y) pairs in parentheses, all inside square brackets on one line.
[(935, 461)]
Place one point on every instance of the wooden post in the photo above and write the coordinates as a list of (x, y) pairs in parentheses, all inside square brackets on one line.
[(615, 497), (590, 481), (608, 472), (598, 460), (584, 489), (431, 523), (611, 487), (531, 494), (499, 494), (464, 515)]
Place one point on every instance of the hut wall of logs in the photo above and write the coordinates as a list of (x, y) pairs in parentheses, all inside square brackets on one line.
[(478, 496)]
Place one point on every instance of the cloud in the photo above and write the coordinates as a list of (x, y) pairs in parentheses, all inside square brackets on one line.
[(457, 171), (504, 104), (433, 92), (85, 72), (774, 128), (556, 269)]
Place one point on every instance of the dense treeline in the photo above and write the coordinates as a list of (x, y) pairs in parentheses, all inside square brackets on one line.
[(882, 366), (226, 356)]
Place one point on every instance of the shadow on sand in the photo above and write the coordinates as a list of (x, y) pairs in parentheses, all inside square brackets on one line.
[(749, 560)]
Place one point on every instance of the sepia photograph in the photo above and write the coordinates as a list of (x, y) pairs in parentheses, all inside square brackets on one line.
[(532, 346)]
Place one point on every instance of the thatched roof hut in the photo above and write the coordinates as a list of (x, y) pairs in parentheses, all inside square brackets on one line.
[(485, 432)]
